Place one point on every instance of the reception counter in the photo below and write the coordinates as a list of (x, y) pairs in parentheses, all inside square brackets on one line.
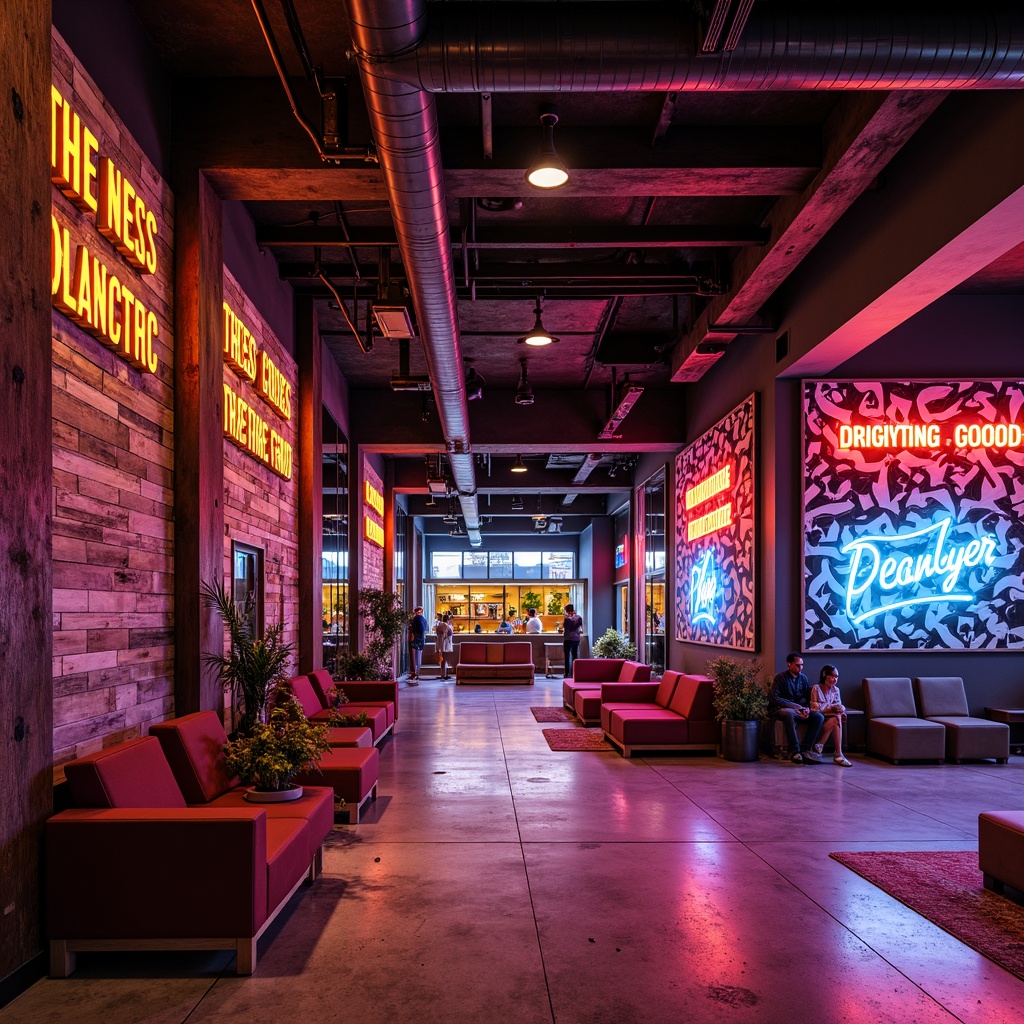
[(536, 640)]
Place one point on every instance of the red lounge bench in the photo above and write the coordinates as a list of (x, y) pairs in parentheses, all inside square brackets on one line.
[(481, 662), (678, 716), (216, 874), (581, 694), (378, 701), (187, 742)]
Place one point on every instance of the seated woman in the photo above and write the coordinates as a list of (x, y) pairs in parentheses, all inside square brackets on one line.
[(825, 698)]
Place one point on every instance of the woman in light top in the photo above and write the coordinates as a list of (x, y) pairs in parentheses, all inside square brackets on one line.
[(825, 698), (443, 642)]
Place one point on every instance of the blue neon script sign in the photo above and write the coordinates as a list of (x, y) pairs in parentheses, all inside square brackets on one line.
[(910, 569), (704, 589)]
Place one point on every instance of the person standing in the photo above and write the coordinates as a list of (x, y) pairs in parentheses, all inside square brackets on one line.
[(791, 702), (417, 631), (572, 631), (826, 699), (533, 623), (443, 643)]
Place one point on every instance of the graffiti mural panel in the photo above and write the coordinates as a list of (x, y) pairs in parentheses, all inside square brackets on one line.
[(913, 515), (715, 535)]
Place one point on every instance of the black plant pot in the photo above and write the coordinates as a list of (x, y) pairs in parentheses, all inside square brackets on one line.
[(740, 740)]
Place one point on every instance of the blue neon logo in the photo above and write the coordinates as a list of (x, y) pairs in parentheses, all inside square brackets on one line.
[(704, 589), (885, 569)]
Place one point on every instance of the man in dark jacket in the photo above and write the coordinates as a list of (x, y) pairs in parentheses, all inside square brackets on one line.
[(791, 701)]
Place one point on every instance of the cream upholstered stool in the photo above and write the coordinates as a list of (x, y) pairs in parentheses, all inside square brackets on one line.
[(554, 657)]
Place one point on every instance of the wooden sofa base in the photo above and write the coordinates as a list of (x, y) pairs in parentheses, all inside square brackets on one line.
[(63, 951), (627, 751), (523, 680)]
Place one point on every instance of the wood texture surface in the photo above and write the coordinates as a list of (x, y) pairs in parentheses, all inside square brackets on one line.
[(25, 474)]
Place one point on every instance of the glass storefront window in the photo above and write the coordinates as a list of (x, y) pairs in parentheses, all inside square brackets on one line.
[(485, 604), (334, 544), (654, 565), (446, 565), (501, 565), (558, 565), (474, 565), (526, 565)]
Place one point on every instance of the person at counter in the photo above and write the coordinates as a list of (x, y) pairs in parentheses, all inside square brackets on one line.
[(533, 623), (417, 631), (572, 631), (505, 627)]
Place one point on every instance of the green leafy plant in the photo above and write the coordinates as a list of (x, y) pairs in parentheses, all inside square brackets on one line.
[(531, 599), (355, 665), (738, 696), (613, 644), (556, 602), (383, 623), (275, 751), (336, 700), (254, 665)]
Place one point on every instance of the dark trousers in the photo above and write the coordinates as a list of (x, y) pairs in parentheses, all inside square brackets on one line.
[(570, 649), (789, 717)]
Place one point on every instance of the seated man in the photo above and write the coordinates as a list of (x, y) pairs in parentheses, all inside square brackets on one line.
[(791, 700), (505, 627)]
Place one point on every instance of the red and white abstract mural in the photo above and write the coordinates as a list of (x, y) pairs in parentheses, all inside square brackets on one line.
[(913, 515), (716, 536)]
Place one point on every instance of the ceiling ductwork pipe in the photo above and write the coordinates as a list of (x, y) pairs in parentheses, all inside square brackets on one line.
[(404, 56), (404, 123), (655, 47)]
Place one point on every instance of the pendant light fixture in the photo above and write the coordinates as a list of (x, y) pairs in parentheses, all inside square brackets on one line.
[(539, 335), (547, 171), (524, 393), (517, 503), (518, 467)]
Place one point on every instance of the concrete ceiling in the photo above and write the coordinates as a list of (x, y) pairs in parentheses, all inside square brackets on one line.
[(685, 212)]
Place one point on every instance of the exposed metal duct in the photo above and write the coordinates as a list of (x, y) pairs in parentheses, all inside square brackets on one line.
[(607, 47), (654, 47), (404, 123)]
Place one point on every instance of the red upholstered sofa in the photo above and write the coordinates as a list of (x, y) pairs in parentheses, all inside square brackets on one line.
[(581, 694), (377, 700), (482, 662), (675, 714), (133, 866)]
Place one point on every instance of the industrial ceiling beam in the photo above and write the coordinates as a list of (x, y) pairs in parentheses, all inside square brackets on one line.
[(657, 236)]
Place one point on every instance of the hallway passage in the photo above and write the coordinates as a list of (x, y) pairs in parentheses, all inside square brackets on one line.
[(495, 881)]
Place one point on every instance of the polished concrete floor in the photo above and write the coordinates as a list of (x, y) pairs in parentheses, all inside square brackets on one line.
[(495, 881)]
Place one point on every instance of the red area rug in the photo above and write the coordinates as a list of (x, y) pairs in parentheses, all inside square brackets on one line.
[(576, 739), (946, 888), (549, 714)]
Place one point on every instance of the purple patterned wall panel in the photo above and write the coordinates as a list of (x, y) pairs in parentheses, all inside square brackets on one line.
[(715, 535), (913, 515)]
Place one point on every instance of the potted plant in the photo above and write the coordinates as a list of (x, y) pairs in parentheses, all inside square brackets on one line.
[(254, 665), (531, 599), (383, 622), (269, 758), (613, 644), (740, 703)]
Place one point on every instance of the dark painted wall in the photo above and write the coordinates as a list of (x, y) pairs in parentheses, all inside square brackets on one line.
[(256, 271), (107, 38), (958, 336)]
